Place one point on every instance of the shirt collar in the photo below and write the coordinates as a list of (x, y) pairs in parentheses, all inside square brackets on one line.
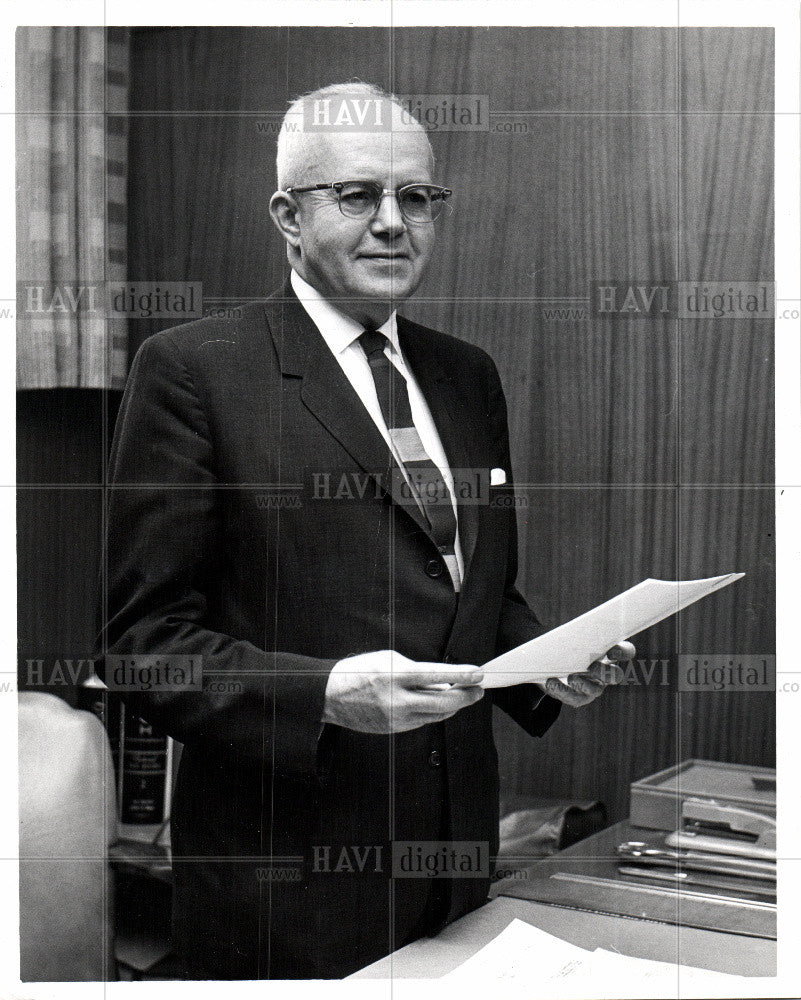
[(339, 331)]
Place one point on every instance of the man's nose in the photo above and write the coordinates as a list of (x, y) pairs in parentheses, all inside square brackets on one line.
[(388, 218)]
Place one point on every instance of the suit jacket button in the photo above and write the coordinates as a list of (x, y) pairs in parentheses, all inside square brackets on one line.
[(434, 568), (435, 758)]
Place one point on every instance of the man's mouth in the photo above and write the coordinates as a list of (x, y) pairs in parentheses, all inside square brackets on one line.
[(385, 256)]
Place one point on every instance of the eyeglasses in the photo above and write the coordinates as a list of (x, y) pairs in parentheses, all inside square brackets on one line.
[(418, 203)]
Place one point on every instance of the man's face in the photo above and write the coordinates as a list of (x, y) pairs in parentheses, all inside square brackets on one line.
[(354, 260)]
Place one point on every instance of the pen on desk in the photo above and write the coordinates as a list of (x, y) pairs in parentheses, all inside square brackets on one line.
[(640, 853), (689, 840), (680, 879)]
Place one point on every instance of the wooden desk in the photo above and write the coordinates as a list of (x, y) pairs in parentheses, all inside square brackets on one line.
[(637, 936)]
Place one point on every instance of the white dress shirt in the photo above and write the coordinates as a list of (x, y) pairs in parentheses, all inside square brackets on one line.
[(341, 333)]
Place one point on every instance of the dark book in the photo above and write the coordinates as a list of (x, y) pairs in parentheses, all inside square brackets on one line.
[(144, 771), (144, 791)]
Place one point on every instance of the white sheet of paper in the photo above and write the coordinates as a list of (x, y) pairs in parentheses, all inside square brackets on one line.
[(572, 647), (526, 956), (627, 978)]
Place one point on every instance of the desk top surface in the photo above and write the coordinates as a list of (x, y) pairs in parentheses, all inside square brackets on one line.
[(587, 877), (638, 937), (430, 958)]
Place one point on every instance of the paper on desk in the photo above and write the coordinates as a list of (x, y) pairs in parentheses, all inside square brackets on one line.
[(624, 977), (572, 647), (525, 954)]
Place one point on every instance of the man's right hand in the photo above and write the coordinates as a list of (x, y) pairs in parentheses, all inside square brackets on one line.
[(385, 692)]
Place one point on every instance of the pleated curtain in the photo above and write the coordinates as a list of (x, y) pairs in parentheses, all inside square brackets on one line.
[(71, 144)]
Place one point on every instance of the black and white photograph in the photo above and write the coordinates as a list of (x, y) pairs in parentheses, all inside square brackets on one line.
[(403, 500)]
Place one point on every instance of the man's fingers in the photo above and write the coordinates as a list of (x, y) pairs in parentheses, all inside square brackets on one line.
[(605, 672), (440, 677), (568, 695), (585, 684), (449, 701), (622, 651)]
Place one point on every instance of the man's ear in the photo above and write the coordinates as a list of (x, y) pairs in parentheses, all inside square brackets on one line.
[(284, 213)]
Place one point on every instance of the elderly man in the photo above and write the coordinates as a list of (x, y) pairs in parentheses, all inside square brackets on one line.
[(287, 506)]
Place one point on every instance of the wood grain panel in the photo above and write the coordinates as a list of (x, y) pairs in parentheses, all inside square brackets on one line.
[(618, 429), (727, 396), (729, 70)]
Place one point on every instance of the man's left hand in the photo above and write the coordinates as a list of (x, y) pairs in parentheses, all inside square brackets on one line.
[(584, 687)]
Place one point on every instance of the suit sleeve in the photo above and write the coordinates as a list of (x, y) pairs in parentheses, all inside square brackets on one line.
[(527, 704), (162, 542)]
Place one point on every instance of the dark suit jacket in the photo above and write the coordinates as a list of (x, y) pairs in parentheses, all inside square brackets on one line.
[(219, 547)]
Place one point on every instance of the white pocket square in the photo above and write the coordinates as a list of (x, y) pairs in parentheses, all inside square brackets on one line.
[(497, 477)]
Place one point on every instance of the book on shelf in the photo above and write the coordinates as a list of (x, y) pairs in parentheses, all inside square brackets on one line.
[(144, 764)]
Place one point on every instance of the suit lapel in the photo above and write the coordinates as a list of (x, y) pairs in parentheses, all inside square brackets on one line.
[(328, 394), (455, 422)]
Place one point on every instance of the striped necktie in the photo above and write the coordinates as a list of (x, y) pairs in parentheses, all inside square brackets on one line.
[(425, 480)]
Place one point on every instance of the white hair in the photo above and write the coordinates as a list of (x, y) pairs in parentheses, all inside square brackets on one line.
[(293, 146)]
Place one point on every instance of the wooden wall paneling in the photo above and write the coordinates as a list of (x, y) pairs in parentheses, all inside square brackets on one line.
[(727, 396), (542, 69), (723, 529), (727, 71)]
